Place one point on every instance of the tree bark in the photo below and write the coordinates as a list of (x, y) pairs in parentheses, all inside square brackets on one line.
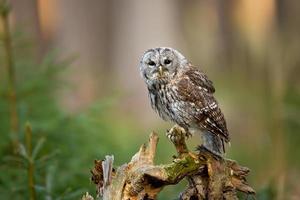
[(209, 176)]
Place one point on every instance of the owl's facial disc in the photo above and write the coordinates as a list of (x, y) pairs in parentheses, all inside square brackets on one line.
[(150, 65), (160, 64)]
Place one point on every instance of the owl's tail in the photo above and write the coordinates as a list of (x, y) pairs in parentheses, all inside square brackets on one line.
[(213, 143)]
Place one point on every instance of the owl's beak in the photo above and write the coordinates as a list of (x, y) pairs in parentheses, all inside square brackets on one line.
[(160, 70)]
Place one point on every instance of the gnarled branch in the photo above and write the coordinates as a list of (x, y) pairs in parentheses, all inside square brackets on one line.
[(209, 177)]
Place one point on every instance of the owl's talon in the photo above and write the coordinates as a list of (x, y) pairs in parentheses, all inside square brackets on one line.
[(188, 135), (168, 135), (172, 138), (176, 134)]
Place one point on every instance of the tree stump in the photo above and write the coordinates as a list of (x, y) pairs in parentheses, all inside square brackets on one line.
[(209, 176)]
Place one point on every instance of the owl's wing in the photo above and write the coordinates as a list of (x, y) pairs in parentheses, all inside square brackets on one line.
[(198, 78), (206, 112)]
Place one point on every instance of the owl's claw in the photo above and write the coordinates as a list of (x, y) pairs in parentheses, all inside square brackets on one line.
[(188, 135), (173, 137), (177, 134)]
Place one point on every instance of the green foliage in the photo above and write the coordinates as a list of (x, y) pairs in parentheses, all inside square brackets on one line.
[(70, 143), (63, 145), (266, 193)]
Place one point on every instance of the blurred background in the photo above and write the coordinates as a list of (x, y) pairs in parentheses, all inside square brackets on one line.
[(71, 92)]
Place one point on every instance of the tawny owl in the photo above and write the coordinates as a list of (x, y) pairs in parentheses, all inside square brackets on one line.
[(182, 93)]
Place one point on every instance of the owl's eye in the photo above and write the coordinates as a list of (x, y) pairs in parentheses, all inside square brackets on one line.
[(151, 63), (167, 61)]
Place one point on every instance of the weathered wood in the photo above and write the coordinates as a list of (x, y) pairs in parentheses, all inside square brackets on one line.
[(209, 176)]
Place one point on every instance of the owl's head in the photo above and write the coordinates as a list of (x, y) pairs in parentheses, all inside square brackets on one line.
[(161, 64)]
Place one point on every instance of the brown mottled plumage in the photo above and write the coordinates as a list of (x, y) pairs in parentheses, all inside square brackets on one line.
[(183, 94)]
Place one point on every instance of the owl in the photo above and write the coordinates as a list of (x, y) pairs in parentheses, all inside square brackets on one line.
[(183, 94)]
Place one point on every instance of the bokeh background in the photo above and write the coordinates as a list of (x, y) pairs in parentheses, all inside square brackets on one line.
[(71, 92)]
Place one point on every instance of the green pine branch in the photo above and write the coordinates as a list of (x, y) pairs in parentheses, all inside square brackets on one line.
[(9, 60)]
